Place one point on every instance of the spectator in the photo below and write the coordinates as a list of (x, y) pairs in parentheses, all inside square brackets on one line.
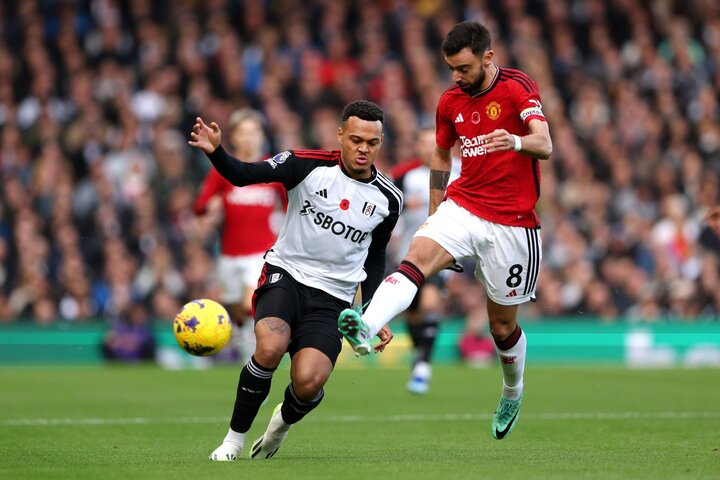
[(96, 97), (130, 338)]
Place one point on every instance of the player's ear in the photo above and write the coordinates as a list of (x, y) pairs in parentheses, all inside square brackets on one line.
[(488, 58), (340, 135)]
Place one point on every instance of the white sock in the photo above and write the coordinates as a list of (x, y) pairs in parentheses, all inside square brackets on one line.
[(392, 297), (512, 361), (422, 370), (235, 438), (277, 424), (512, 393)]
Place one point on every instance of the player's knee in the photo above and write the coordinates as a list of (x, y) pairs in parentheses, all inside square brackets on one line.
[(501, 330), (426, 253), (308, 384), (269, 355)]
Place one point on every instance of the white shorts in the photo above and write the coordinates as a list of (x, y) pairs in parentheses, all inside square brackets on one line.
[(237, 274), (507, 258)]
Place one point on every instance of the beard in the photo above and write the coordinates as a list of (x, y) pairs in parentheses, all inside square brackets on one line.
[(475, 87)]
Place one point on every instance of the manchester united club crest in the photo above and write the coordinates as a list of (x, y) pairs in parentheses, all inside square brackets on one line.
[(493, 110)]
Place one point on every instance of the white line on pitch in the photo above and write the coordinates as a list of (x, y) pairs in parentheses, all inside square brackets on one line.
[(30, 422)]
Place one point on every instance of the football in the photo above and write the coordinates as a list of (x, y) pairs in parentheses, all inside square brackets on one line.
[(202, 327)]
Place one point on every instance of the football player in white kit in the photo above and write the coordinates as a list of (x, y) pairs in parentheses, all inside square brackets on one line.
[(341, 212)]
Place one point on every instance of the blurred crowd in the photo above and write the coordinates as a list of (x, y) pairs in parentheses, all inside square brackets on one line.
[(97, 98)]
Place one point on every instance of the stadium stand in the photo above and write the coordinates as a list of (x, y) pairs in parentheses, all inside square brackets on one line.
[(97, 97)]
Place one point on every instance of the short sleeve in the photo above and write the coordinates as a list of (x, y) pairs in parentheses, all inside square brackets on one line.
[(445, 134), (529, 104)]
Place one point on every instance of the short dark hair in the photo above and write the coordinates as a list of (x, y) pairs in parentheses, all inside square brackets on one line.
[(364, 110), (467, 34)]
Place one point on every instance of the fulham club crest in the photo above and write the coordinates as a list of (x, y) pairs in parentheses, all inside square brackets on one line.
[(368, 209)]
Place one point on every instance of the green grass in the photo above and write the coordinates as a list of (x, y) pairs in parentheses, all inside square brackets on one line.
[(576, 423)]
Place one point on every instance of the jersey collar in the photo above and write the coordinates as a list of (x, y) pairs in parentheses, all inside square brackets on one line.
[(373, 172)]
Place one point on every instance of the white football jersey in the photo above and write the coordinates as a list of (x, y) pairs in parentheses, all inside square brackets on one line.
[(336, 228)]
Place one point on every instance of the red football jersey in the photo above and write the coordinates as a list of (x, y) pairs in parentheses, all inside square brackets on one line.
[(501, 187), (246, 224)]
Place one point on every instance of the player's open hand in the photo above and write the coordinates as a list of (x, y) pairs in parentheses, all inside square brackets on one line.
[(204, 137), (498, 141), (385, 335)]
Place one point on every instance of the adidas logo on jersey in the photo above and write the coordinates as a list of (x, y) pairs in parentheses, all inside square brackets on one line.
[(322, 193), (512, 293), (459, 118)]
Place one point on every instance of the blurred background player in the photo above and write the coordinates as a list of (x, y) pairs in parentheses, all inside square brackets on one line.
[(426, 310), (248, 217)]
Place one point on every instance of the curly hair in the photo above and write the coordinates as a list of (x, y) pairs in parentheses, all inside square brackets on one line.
[(364, 110)]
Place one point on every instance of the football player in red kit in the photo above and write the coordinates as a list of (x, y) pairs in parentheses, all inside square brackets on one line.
[(487, 213)]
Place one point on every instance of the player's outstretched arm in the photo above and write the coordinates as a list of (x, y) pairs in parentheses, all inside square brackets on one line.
[(204, 137), (207, 138)]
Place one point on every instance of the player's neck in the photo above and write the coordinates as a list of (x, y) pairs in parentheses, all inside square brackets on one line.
[(490, 74), (489, 77)]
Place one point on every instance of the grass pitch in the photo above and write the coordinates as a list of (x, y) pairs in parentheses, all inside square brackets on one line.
[(576, 423)]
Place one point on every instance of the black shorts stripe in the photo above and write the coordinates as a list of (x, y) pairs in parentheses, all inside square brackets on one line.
[(533, 266), (538, 256), (528, 268)]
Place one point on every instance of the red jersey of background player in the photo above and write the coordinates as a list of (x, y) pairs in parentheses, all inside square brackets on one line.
[(501, 187), (247, 210)]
